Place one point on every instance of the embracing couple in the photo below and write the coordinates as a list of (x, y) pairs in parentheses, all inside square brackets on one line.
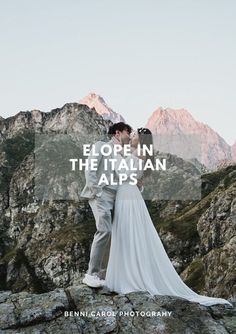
[(126, 244)]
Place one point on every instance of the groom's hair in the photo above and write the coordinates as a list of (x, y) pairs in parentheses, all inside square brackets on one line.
[(121, 126)]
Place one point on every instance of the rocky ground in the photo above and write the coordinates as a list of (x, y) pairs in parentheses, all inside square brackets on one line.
[(54, 312)]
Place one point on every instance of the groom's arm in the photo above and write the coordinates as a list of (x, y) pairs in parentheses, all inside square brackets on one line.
[(90, 174)]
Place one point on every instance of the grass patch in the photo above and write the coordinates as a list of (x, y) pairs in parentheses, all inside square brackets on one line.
[(195, 275), (184, 227), (213, 179), (71, 234)]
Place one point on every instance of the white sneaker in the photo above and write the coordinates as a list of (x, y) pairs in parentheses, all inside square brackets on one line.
[(93, 281)]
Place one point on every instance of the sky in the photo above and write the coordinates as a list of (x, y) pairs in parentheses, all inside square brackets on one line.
[(137, 54)]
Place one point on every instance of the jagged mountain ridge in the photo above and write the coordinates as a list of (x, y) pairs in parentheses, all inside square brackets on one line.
[(65, 119), (214, 150)]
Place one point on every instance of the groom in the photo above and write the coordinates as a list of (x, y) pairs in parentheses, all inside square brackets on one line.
[(101, 200)]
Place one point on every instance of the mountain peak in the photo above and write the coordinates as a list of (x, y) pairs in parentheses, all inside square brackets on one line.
[(179, 122), (180, 116), (174, 121), (94, 96), (96, 101)]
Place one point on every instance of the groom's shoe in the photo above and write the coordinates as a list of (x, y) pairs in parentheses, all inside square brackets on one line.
[(93, 281)]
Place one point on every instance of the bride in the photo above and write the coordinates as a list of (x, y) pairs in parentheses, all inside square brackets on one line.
[(137, 259)]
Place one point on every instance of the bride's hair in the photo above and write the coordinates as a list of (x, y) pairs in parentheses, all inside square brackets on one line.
[(145, 138)]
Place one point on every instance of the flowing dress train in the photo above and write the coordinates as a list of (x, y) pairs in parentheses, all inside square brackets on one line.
[(137, 259)]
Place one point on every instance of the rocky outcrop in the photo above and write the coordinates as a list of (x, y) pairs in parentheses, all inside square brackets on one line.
[(216, 228), (200, 235), (80, 309), (98, 103), (31, 227), (179, 125)]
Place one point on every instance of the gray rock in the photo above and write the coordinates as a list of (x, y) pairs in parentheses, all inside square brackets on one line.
[(80, 309)]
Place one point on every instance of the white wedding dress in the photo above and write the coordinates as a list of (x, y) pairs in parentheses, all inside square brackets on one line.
[(137, 259)]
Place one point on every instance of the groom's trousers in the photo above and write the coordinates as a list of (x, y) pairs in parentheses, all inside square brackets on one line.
[(101, 207)]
